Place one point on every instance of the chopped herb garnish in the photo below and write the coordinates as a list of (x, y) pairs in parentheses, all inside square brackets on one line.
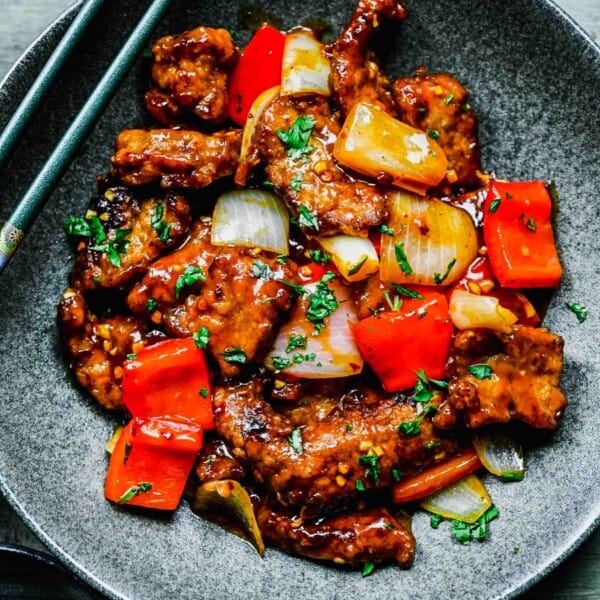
[(423, 392), (421, 110), (281, 259), (512, 476), (295, 139), (261, 270), (395, 304), (410, 427), (204, 392), (530, 224), (147, 53), (298, 289), (358, 266), (134, 491), (296, 341), (480, 371), (322, 302), (159, 224), (439, 279), (372, 471), (349, 427), (114, 247), (307, 219), (295, 440), (389, 526), (360, 486), (494, 204), (466, 107), (131, 356), (386, 230), (435, 521), (465, 533), (297, 182), (434, 134), (368, 568), (581, 312), (269, 185), (431, 445), (91, 228), (449, 98), (402, 259), (151, 305), (396, 475), (234, 355), (192, 274), (280, 363), (201, 337), (406, 292), (319, 256)]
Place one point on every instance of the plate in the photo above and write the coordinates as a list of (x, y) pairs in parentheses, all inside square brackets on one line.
[(535, 83)]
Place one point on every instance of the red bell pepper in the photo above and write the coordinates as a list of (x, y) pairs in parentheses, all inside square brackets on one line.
[(398, 343), (151, 462), (170, 380), (258, 70), (518, 234)]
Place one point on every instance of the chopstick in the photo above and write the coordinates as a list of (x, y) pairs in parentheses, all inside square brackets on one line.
[(14, 229), (34, 97)]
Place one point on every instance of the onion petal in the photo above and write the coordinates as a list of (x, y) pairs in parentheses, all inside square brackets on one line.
[(354, 257), (330, 354), (465, 500), (229, 496), (256, 110), (500, 454), (251, 218), (433, 243), (305, 69), (471, 311), (373, 143)]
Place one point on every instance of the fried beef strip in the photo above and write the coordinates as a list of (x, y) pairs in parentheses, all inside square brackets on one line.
[(372, 535), (526, 366), (318, 467), (339, 202), (149, 224), (98, 347), (156, 292), (438, 103), (217, 463), (356, 75), (175, 158), (190, 71), (239, 308)]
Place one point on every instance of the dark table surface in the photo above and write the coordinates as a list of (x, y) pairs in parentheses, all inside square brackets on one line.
[(24, 575)]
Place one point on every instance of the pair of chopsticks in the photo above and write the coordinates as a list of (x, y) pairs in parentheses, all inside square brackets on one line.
[(13, 230)]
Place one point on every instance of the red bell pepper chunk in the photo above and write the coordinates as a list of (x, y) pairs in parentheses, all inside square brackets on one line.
[(170, 380), (258, 70), (151, 462), (396, 344), (518, 234)]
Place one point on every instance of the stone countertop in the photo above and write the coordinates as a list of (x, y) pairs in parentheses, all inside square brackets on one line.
[(578, 578)]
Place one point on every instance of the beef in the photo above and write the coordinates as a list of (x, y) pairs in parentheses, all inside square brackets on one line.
[(526, 366), (190, 72), (323, 454), (372, 535), (217, 463), (313, 182), (240, 308), (98, 347), (138, 227), (356, 75), (175, 158), (438, 103)]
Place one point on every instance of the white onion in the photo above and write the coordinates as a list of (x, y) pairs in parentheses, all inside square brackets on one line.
[(305, 69), (373, 143), (251, 218), (334, 349), (256, 110), (355, 258), (438, 239), (500, 454), (471, 311), (465, 500)]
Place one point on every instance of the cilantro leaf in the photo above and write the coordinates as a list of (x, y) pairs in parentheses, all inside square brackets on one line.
[(307, 219), (322, 302), (296, 341), (581, 312), (280, 363), (234, 355), (192, 274), (368, 568), (386, 230), (406, 292), (402, 259), (295, 441), (134, 491), (262, 270), (295, 139), (201, 337), (438, 279), (480, 371), (319, 256)]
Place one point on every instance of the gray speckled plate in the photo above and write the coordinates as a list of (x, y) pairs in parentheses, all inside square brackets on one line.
[(535, 80)]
